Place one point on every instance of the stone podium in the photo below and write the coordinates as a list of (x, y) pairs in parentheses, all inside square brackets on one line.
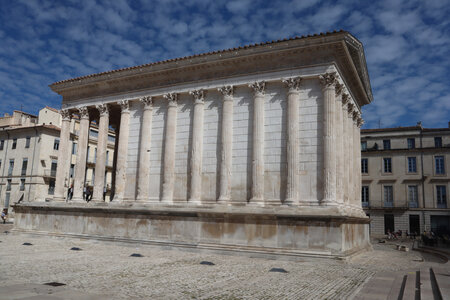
[(253, 150)]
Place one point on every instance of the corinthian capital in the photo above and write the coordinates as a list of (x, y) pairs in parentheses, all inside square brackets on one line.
[(172, 98), (293, 83), (65, 114), (199, 96), (339, 88), (345, 99), (227, 90), (124, 106), (258, 87), (328, 79), (103, 109), (84, 112), (350, 108), (360, 122), (355, 115), (147, 101)]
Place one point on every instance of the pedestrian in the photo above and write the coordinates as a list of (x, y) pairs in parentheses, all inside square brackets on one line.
[(88, 195), (4, 215)]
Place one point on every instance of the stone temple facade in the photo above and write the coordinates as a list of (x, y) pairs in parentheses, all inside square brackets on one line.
[(252, 149)]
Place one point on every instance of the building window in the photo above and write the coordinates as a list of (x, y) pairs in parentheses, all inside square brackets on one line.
[(364, 166), (413, 196), (387, 165), (93, 133), (388, 196), (7, 197), (56, 144), (365, 196), (53, 168), (107, 158), (386, 144), (441, 195), (27, 142), (437, 142), (14, 144), (411, 143), (2, 144), (74, 148), (95, 155), (51, 187), (22, 184), (412, 165), (8, 184), (71, 171), (11, 167), (24, 166), (363, 145), (439, 164)]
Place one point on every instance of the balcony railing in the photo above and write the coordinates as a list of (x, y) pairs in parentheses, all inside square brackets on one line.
[(49, 173), (413, 204), (388, 204)]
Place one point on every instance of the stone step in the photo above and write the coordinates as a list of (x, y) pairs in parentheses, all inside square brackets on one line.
[(411, 288)]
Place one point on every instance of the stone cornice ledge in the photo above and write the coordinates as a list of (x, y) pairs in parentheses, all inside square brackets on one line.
[(319, 213)]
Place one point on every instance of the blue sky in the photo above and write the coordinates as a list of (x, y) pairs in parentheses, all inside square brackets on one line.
[(407, 44)]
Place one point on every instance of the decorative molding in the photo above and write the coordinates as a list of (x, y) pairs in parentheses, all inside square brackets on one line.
[(227, 91), (84, 112), (258, 87), (345, 99), (124, 106), (66, 115), (172, 98), (199, 96), (103, 109), (328, 80), (339, 88), (293, 84), (147, 101)]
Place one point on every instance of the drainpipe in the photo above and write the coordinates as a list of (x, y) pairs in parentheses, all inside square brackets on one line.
[(32, 162), (4, 162), (423, 176)]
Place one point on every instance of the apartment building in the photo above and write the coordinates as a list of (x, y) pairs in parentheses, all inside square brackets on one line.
[(29, 147), (406, 179)]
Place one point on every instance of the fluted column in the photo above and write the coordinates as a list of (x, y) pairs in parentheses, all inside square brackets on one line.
[(143, 191), (345, 121), (197, 147), (100, 164), (63, 156), (359, 123), (339, 145), (258, 143), (356, 163), (122, 149), (329, 81), (169, 152), (80, 167), (293, 144), (351, 161), (227, 144)]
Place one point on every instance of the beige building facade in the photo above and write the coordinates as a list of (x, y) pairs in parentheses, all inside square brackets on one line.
[(249, 149), (29, 148), (406, 179)]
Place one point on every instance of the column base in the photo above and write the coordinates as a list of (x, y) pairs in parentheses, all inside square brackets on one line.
[(256, 202), (194, 201), (223, 200), (291, 202), (328, 202), (78, 200), (59, 199)]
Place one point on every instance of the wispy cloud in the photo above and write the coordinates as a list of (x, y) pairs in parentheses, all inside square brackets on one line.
[(406, 42)]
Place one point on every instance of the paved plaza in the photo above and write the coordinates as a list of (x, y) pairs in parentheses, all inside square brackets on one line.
[(105, 270)]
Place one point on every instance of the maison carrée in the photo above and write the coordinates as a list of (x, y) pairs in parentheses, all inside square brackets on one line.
[(254, 149)]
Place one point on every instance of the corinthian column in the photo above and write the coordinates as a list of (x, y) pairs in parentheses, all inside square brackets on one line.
[(359, 123), (339, 145), (197, 147), (63, 156), (329, 81), (227, 144), (169, 152), (100, 164), (80, 167), (356, 163), (293, 146), (345, 121), (122, 150), (351, 158), (258, 143), (144, 150)]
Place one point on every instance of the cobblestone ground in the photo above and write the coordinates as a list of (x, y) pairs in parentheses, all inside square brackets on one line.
[(107, 269)]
